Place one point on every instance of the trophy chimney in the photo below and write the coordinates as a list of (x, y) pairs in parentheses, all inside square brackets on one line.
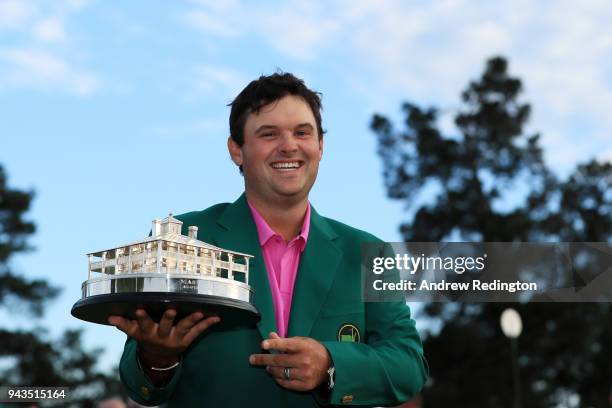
[(156, 230), (193, 232), (171, 225)]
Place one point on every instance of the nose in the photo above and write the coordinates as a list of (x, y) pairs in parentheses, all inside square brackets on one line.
[(288, 143)]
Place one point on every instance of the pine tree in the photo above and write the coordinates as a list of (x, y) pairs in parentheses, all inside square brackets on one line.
[(491, 184), (33, 358)]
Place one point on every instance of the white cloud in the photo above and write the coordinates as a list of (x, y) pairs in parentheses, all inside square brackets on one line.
[(218, 6), (40, 56), (39, 69), (300, 30), (43, 20), (489, 36), (297, 29), (50, 30), (427, 53), (209, 23), (196, 128), (75, 4), (219, 79), (14, 13)]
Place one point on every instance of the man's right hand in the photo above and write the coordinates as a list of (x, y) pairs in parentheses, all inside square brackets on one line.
[(160, 344)]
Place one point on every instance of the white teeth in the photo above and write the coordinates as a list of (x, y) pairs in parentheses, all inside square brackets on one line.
[(292, 165)]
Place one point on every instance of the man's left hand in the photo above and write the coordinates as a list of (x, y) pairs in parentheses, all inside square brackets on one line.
[(306, 359)]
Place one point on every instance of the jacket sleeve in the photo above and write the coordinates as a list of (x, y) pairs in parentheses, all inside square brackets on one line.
[(389, 368), (138, 385)]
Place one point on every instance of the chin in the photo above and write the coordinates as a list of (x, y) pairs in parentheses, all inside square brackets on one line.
[(296, 193)]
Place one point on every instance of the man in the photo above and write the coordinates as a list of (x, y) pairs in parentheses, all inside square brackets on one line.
[(317, 342)]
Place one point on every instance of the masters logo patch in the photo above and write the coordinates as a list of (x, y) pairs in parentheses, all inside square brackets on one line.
[(349, 332)]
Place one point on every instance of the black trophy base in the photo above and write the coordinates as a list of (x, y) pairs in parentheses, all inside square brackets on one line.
[(233, 313)]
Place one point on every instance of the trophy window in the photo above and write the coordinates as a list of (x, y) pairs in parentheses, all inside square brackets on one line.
[(169, 246), (186, 267), (222, 273), (169, 263), (189, 250), (150, 265)]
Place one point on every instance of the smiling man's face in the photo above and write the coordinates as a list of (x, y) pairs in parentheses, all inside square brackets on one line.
[(281, 152)]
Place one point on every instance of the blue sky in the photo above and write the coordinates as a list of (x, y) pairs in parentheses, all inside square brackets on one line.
[(115, 112)]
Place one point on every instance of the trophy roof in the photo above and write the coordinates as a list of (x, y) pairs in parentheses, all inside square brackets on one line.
[(171, 219), (175, 238), (171, 235)]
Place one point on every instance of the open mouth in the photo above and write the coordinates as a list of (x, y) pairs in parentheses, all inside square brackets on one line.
[(287, 165)]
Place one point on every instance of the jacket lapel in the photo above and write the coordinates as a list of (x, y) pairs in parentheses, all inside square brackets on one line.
[(315, 276), (238, 232)]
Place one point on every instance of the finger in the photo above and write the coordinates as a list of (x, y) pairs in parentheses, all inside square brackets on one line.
[(187, 323), (295, 374), (274, 360), (199, 328), (129, 327), (145, 323), (165, 323), (292, 385), (116, 321), (288, 345)]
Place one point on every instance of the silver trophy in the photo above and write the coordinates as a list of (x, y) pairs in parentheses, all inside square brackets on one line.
[(168, 270)]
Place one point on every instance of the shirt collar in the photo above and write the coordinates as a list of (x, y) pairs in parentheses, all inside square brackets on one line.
[(265, 233)]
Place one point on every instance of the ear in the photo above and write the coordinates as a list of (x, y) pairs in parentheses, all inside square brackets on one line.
[(235, 151), (321, 148)]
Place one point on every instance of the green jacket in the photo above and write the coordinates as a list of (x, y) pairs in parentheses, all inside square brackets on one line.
[(385, 367)]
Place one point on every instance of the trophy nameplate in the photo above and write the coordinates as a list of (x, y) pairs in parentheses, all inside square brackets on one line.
[(168, 270)]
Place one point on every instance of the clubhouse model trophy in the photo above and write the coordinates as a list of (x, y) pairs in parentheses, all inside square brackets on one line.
[(168, 270)]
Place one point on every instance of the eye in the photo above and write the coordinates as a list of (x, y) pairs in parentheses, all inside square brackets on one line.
[(303, 132)]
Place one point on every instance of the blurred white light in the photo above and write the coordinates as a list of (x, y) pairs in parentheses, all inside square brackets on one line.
[(511, 323)]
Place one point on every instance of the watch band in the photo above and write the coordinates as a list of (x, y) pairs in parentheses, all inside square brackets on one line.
[(170, 367), (331, 377), (158, 369)]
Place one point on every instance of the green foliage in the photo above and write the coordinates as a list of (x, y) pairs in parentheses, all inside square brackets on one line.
[(30, 358), (14, 231), (491, 184)]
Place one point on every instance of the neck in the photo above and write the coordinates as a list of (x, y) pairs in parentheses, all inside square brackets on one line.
[(286, 219)]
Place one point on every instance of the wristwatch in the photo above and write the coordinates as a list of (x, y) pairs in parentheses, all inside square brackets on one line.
[(331, 376)]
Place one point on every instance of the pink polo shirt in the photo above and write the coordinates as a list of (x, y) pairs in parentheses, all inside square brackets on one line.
[(282, 261)]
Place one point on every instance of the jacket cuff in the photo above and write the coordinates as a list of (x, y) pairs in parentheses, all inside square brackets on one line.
[(343, 393), (140, 387)]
